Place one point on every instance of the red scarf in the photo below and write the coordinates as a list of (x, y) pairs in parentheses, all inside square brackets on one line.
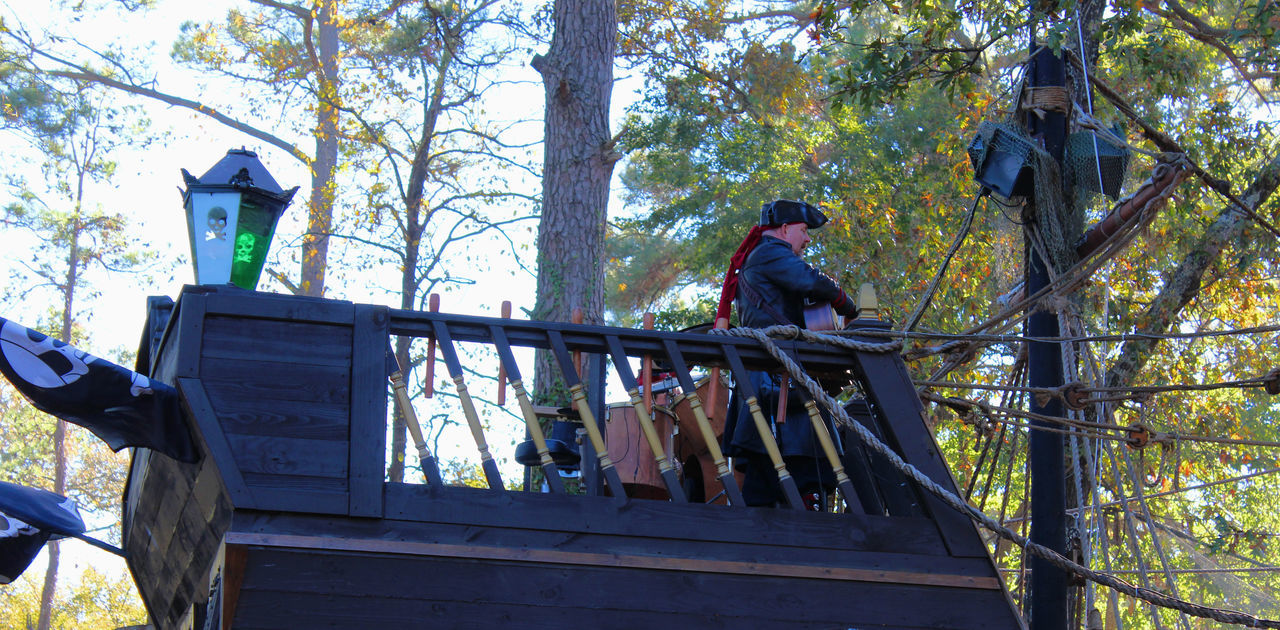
[(729, 290)]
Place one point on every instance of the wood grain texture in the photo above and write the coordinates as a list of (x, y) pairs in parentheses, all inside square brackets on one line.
[(257, 339), (259, 380), (656, 560), (264, 455), (212, 439), (586, 594), (893, 554), (182, 345), (282, 307), (645, 519), (892, 394), (368, 437)]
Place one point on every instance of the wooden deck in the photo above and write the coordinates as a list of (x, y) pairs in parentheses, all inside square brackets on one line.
[(287, 522)]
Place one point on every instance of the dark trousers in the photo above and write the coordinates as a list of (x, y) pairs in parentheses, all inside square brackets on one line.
[(760, 485)]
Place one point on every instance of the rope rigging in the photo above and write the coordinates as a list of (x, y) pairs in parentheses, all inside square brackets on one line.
[(1145, 593)]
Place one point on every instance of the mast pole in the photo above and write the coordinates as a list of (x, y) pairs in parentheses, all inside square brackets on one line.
[(1049, 587)]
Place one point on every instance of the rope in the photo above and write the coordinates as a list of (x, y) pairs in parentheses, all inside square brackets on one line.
[(1156, 437), (946, 262), (869, 440), (1044, 99), (1016, 339), (1155, 540), (1164, 142), (1201, 486), (1137, 393)]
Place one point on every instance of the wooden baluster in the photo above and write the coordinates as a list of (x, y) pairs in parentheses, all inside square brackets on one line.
[(748, 393), (451, 361), (579, 397), (502, 368), (646, 371), (429, 380), (622, 365), (837, 465), (549, 470), (725, 475), (430, 470)]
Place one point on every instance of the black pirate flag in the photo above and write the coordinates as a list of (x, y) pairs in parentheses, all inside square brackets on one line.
[(29, 517), (120, 406)]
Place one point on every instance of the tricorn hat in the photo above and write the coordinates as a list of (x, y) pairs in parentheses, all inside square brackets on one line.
[(784, 211)]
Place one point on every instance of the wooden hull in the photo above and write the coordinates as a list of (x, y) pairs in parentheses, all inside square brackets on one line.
[(287, 522), (479, 559)]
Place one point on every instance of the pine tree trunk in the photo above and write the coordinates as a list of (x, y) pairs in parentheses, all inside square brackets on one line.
[(315, 244), (578, 160), (54, 548)]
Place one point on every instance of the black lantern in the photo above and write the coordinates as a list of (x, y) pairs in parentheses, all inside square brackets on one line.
[(232, 212)]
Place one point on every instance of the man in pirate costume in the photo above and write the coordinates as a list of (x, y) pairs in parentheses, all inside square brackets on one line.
[(770, 283)]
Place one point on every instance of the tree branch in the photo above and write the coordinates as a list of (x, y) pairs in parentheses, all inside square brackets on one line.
[(1183, 285), (93, 77)]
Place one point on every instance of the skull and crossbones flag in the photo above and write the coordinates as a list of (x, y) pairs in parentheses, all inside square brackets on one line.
[(118, 405), (29, 517)]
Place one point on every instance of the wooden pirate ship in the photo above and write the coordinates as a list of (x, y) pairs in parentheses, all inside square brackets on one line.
[(287, 521)]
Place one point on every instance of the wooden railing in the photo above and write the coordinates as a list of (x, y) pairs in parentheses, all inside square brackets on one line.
[(681, 352)]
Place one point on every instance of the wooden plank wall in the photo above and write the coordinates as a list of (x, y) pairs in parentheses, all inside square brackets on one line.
[(174, 531), (278, 373), (267, 384), (642, 564)]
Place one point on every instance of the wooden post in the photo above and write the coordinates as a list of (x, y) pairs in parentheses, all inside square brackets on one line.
[(577, 318), (784, 386), (1049, 586), (502, 369), (429, 380), (713, 391)]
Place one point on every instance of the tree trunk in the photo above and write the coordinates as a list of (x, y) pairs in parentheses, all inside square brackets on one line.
[(1183, 285), (315, 244), (416, 219), (578, 160), (60, 430)]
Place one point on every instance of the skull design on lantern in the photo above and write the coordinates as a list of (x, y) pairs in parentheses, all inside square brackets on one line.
[(244, 248), (217, 224)]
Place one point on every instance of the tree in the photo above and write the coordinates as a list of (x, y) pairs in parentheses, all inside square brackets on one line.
[(75, 132), (889, 96), (433, 169), (293, 55), (578, 161), (284, 51), (93, 602)]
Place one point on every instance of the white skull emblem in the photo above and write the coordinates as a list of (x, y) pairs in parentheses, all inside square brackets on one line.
[(14, 527), (41, 360), (139, 385), (217, 224)]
